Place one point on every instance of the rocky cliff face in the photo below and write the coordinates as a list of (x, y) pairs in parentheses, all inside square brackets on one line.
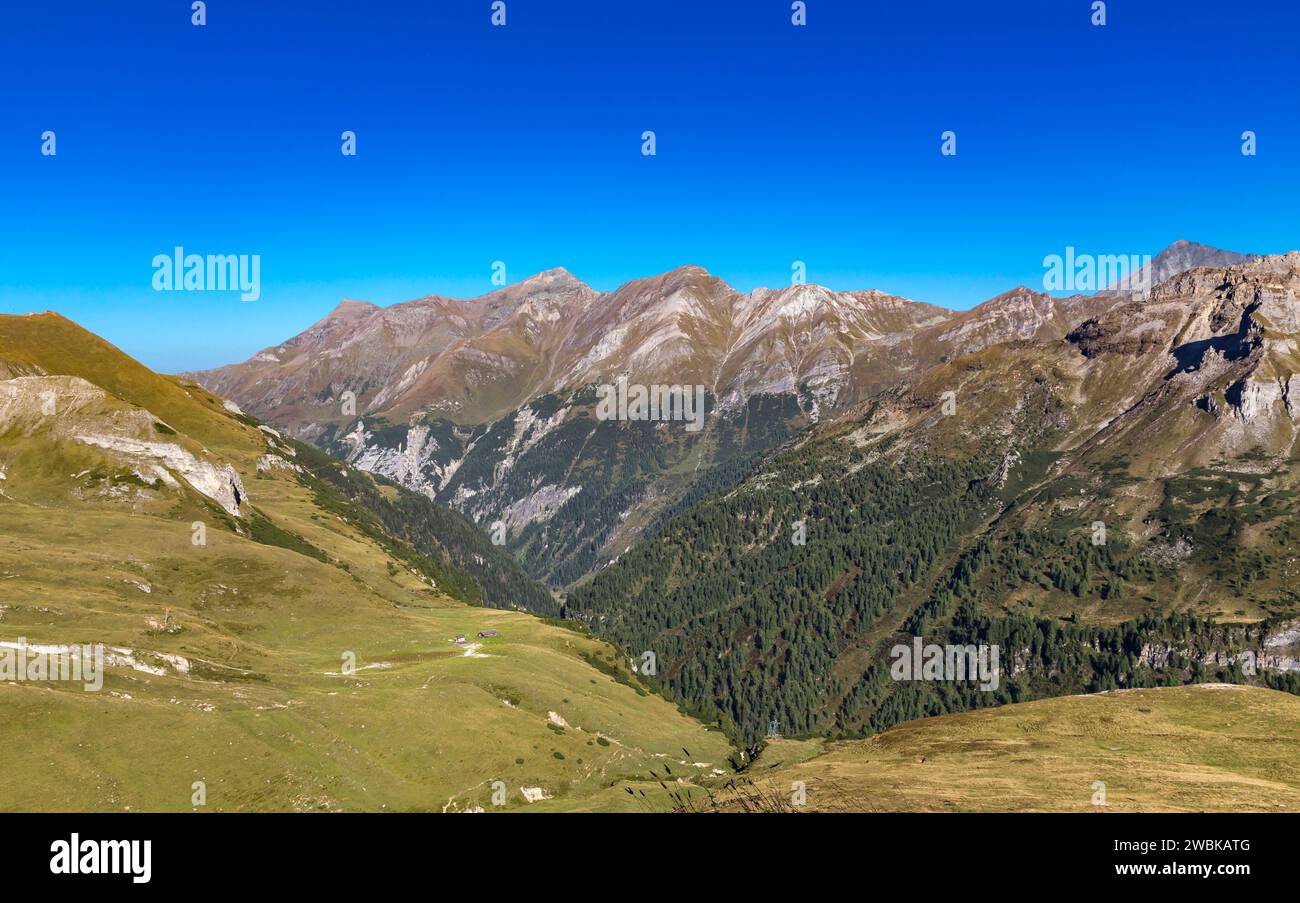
[(1223, 342)]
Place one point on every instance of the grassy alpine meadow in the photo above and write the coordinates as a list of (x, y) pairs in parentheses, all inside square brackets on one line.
[(262, 709), (1199, 748)]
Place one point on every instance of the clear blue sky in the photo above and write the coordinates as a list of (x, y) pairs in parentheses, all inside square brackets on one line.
[(522, 144)]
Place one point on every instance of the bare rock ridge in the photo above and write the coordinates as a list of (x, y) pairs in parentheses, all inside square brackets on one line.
[(474, 360)]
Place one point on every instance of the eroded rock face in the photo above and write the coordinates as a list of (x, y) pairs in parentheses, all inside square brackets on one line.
[(1281, 647), (1224, 340), (474, 361), (70, 409), (1095, 337), (1251, 398), (166, 460)]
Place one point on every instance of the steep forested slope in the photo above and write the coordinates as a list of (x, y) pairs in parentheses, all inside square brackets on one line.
[(1116, 508)]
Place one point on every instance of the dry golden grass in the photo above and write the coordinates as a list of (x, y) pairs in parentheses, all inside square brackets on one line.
[(1209, 747)]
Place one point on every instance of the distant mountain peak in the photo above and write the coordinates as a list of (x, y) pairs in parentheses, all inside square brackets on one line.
[(1190, 245), (1021, 294), (1179, 257), (554, 275), (553, 279), (1184, 248), (674, 280)]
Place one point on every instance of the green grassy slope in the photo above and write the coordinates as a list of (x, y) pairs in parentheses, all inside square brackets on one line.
[(230, 654)]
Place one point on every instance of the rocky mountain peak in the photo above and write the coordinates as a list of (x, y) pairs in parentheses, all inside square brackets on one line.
[(554, 278), (1021, 294), (351, 309), (677, 279)]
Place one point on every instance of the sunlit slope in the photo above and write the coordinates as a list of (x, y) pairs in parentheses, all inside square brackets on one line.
[(291, 656), (46, 343), (1209, 747)]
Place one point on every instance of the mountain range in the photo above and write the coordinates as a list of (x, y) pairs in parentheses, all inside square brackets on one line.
[(303, 567), (487, 405), (951, 470)]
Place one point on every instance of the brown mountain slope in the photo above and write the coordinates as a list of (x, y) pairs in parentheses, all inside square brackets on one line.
[(476, 360), (487, 405)]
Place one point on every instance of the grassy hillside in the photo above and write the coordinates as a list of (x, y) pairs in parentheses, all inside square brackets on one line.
[(233, 642), (1209, 747), (50, 344)]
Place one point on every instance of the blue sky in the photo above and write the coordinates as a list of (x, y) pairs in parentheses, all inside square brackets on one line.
[(523, 144)]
